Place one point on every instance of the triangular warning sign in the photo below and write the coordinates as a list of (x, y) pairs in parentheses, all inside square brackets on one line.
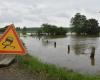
[(10, 42)]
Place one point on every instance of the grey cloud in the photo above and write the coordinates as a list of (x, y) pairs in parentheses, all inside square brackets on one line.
[(35, 12)]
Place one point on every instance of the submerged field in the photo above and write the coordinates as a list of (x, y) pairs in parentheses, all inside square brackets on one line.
[(77, 59)]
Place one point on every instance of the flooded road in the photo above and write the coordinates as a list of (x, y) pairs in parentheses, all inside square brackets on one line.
[(71, 52)]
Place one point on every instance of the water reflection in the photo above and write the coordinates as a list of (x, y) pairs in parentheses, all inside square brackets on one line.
[(92, 52), (79, 49), (54, 37), (92, 56), (39, 37), (54, 44), (68, 49), (92, 61), (45, 42), (70, 52)]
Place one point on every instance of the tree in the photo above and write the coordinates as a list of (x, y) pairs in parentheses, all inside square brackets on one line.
[(61, 31), (91, 27), (24, 30), (53, 30), (3, 29), (77, 23), (39, 31), (49, 29), (18, 29)]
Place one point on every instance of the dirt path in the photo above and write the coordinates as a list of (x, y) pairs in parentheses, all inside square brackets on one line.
[(13, 72)]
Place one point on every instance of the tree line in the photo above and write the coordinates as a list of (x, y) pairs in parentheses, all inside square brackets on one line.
[(83, 26), (48, 29), (79, 24), (22, 30)]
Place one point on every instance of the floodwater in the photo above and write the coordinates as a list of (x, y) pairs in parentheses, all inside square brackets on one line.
[(71, 52)]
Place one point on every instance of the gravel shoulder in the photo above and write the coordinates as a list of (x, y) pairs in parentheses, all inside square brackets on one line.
[(14, 72)]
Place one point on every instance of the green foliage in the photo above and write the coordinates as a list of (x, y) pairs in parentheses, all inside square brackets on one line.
[(3, 29), (18, 29), (50, 72), (33, 29), (61, 31), (39, 31), (81, 25), (24, 30), (77, 23), (91, 27), (49, 29), (52, 30), (28, 30)]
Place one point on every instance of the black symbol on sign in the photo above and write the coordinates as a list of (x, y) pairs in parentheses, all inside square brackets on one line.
[(8, 41)]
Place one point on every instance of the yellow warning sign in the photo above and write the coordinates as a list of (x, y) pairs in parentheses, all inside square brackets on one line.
[(10, 43)]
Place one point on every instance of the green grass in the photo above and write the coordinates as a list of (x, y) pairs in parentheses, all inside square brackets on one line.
[(51, 72)]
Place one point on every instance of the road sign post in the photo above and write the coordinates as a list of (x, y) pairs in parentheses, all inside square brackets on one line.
[(10, 43)]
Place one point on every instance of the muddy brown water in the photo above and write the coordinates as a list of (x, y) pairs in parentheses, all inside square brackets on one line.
[(77, 58)]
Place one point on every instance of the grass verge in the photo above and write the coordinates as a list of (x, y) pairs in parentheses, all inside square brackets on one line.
[(50, 72)]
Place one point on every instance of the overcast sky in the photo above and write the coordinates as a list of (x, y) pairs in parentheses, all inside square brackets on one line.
[(33, 13)]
